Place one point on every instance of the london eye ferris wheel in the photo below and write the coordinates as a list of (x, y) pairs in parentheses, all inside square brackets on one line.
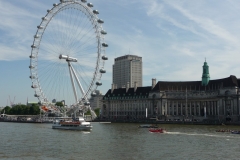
[(68, 53)]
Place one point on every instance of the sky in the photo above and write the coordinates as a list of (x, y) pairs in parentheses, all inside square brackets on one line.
[(173, 37)]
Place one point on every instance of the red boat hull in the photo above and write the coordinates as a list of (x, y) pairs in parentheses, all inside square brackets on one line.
[(157, 130)]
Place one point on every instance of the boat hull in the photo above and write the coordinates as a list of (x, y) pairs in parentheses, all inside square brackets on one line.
[(79, 128), (235, 132), (147, 126), (157, 130)]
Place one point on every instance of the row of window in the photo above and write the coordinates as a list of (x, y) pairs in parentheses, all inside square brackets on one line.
[(119, 98)]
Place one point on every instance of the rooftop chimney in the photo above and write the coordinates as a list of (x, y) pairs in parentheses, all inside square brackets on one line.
[(112, 88), (153, 82), (135, 86), (127, 87)]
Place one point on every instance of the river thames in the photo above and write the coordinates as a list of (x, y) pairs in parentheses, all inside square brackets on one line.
[(121, 141)]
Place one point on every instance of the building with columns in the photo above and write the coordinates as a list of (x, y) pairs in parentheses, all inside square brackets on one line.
[(207, 100)]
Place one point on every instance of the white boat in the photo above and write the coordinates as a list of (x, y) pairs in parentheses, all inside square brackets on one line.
[(75, 124)]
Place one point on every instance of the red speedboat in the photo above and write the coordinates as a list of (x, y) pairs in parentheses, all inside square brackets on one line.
[(158, 130)]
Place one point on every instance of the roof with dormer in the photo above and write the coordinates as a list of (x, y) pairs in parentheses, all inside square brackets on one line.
[(123, 92), (231, 81), (143, 92)]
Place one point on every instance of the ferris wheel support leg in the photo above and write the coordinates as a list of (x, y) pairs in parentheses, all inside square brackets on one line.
[(78, 82), (73, 85)]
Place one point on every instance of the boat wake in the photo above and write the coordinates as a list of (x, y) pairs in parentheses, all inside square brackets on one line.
[(206, 134)]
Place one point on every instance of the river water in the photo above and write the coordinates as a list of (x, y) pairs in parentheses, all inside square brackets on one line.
[(121, 141)]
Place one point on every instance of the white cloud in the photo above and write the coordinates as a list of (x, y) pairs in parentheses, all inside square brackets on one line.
[(207, 24)]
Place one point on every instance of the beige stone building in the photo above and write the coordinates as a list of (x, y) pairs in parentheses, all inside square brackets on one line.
[(214, 101)]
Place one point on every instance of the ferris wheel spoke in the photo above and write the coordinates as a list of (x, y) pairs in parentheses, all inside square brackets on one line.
[(60, 30), (76, 30), (81, 49), (85, 42), (75, 36), (67, 28), (50, 50)]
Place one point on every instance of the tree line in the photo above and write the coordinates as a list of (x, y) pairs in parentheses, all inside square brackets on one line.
[(33, 110), (21, 110)]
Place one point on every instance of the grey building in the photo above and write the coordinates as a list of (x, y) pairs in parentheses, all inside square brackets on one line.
[(127, 70), (96, 100)]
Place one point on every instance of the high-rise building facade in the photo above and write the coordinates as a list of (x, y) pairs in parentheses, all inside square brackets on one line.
[(127, 70)]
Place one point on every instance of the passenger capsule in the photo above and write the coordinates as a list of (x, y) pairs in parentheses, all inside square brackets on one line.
[(55, 4), (102, 71), (31, 56), (103, 32), (32, 77), (34, 86), (61, 1), (104, 57), (104, 44), (36, 36), (48, 10), (36, 95), (86, 103), (44, 18), (31, 67), (95, 12), (84, 1), (40, 27), (100, 21), (93, 94), (90, 5), (98, 83), (33, 46)]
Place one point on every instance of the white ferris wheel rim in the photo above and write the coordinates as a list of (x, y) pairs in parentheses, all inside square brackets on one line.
[(38, 82)]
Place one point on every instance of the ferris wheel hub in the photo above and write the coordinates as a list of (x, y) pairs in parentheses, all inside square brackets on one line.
[(68, 59)]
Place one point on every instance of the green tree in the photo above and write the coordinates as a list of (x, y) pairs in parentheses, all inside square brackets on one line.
[(6, 109), (88, 112), (14, 110), (34, 109), (22, 110), (97, 111), (27, 110), (60, 104)]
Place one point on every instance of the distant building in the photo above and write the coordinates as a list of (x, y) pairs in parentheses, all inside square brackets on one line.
[(31, 103), (54, 101), (63, 102), (212, 101), (127, 70), (96, 100)]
